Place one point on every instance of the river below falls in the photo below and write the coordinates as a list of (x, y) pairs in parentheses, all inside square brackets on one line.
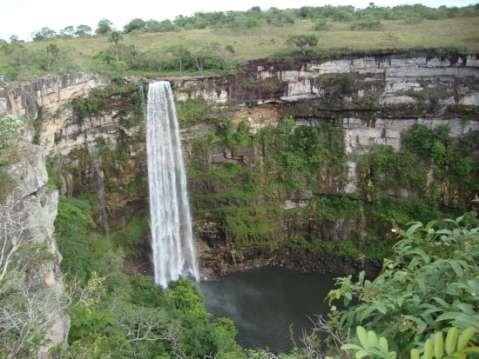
[(268, 304)]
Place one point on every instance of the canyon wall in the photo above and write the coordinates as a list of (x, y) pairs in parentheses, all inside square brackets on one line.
[(262, 195), (29, 208), (374, 99), (34, 278)]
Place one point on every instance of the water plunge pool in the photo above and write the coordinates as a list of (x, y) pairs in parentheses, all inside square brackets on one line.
[(265, 303)]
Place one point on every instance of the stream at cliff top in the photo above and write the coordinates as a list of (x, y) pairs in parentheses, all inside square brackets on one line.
[(265, 302)]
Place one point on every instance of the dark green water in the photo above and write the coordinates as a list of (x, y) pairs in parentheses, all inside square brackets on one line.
[(265, 303)]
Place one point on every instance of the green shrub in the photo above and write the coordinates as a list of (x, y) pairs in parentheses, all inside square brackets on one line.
[(383, 169), (321, 25), (454, 346), (102, 99), (8, 131), (304, 42), (367, 23), (115, 315), (420, 140), (412, 20), (408, 301), (160, 26), (192, 111)]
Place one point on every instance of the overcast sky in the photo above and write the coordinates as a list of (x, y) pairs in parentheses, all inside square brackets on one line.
[(23, 17)]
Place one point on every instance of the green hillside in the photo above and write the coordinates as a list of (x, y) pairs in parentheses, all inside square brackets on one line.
[(219, 42)]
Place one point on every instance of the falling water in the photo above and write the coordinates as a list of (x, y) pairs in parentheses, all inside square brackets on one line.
[(172, 236), (100, 188), (100, 194)]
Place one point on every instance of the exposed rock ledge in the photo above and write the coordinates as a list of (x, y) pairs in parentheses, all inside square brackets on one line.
[(34, 207)]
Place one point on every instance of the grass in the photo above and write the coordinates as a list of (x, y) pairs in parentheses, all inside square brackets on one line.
[(267, 41)]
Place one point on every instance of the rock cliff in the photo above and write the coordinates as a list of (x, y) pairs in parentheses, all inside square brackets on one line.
[(254, 189), (27, 219), (374, 99)]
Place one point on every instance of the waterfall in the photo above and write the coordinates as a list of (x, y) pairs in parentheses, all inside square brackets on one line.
[(173, 246), (100, 193), (100, 188)]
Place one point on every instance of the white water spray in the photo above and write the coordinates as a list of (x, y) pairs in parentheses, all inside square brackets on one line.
[(174, 253)]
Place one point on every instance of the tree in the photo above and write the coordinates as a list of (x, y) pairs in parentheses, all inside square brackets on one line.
[(83, 30), (11, 238), (181, 54), (115, 38), (24, 309), (104, 27), (14, 39), (44, 34), (53, 51), (49, 57), (68, 31), (134, 25), (304, 42), (157, 26)]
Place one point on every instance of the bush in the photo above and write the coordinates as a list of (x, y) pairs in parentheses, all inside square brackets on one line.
[(192, 111), (304, 42), (456, 345), (368, 24), (115, 315), (44, 34), (407, 302), (160, 26), (134, 25), (8, 131), (104, 27), (321, 25)]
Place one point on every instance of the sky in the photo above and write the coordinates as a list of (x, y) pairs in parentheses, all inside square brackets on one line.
[(24, 17)]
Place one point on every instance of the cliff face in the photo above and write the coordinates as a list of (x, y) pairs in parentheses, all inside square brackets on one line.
[(28, 214), (29, 209), (259, 186), (373, 99), (45, 102)]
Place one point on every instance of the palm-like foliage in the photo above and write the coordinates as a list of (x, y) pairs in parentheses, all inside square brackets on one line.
[(455, 345)]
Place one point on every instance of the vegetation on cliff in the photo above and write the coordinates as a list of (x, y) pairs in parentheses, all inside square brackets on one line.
[(8, 154), (119, 315), (282, 187), (244, 193), (428, 285)]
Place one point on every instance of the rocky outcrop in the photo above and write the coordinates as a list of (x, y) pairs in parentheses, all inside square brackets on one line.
[(44, 102), (31, 207), (217, 262)]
